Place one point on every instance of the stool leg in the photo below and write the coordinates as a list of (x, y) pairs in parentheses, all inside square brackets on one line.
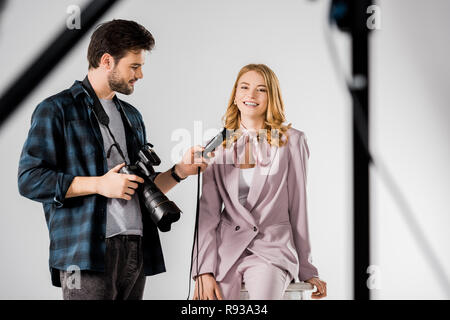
[(305, 295), (243, 295)]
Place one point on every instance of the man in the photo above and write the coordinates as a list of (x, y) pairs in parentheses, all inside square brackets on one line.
[(71, 162)]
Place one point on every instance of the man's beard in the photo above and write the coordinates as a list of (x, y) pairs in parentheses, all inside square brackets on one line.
[(117, 84)]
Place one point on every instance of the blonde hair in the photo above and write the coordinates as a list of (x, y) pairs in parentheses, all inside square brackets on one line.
[(274, 117)]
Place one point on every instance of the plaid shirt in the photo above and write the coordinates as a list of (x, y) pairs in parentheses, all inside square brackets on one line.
[(65, 141)]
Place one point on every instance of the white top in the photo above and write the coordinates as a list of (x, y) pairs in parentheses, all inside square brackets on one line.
[(245, 180)]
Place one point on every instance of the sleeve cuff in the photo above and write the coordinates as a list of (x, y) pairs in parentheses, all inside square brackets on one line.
[(153, 176), (195, 275), (63, 183), (306, 276)]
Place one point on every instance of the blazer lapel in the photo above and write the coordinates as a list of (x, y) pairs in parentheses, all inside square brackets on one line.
[(263, 168)]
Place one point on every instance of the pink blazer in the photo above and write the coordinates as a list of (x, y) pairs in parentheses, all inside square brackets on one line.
[(273, 222)]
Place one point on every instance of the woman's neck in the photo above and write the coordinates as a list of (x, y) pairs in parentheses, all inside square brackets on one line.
[(252, 124)]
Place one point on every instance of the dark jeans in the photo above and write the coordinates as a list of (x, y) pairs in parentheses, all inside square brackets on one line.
[(123, 278)]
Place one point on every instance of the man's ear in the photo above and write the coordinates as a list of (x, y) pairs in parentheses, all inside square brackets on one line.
[(107, 61)]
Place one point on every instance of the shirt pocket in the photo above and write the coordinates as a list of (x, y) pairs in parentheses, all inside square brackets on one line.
[(80, 138)]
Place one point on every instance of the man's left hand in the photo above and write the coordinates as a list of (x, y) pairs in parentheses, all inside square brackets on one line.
[(191, 161)]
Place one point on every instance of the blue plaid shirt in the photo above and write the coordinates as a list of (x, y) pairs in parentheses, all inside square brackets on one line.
[(65, 141)]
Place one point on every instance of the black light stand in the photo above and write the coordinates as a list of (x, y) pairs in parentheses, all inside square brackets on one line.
[(351, 16)]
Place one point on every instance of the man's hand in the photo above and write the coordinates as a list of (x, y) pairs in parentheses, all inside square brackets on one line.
[(321, 286), (206, 288), (189, 164), (118, 185), (191, 161)]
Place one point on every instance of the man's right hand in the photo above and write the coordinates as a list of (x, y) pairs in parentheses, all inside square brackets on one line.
[(118, 185), (206, 288)]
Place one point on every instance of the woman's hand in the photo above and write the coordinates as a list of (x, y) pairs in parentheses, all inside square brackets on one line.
[(206, 288), (321, 286)]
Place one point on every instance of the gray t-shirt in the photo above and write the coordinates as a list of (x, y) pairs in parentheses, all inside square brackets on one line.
[(123, 216)]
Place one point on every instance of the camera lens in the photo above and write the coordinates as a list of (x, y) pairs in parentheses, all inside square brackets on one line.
[(163, 211)]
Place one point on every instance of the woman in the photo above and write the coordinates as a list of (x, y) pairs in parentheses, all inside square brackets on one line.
[(260, 237)]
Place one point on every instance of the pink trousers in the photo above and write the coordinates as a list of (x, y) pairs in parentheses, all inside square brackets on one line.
[(263, 280)]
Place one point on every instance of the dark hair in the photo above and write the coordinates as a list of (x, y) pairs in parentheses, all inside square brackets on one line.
[(118, 37)]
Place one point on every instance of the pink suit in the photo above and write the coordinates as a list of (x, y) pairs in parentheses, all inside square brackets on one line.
[(273, 222)]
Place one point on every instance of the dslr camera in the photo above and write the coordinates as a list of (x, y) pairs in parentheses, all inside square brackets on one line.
[(163, 212)]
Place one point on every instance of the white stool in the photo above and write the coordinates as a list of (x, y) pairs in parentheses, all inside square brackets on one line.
[(295, 291)]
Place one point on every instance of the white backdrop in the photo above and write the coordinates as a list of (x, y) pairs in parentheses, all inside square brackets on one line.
[(200, 47)]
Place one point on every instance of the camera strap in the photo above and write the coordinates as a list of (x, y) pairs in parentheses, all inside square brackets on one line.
[(103, 118)]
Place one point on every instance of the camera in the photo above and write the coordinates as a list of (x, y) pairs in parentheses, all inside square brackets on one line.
[(163, 212)]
